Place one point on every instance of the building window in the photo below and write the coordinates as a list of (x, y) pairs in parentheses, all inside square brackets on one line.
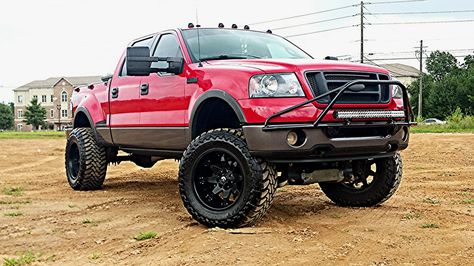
[(51, 113), (20, 98), (64, 97), (20, 113), (64, 113), (43, 98), (35, 97), (19, 127), (52, 98)]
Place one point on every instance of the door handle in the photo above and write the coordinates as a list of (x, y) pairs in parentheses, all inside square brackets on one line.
[(144, 89), (115, 92)]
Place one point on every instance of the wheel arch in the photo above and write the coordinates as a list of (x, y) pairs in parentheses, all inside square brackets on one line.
[(214, 96), (82, 118)]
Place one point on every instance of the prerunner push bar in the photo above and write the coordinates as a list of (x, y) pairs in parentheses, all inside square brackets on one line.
[(355, 85)]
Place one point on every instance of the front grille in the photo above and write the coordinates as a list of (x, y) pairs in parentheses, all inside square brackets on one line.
[(324, 81)]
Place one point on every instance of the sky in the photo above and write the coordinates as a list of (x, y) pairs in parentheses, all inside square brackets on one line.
[(50, 38)]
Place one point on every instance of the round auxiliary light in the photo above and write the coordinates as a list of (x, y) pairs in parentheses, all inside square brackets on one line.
[(292, 138), (190, 25), (221, 25), (246, 27), (234, 26)]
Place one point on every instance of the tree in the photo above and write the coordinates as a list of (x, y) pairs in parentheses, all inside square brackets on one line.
[(439, 64), (6, 117), (35, 114), (469, 61), (444, 91)]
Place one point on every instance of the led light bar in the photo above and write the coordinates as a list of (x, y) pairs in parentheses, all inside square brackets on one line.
[(349, 114)]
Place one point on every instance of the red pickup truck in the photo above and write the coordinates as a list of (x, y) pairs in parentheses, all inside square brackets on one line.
[(245, 112)]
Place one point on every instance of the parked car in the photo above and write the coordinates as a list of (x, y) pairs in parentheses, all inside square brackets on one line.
[(433, 121), (244, 112)]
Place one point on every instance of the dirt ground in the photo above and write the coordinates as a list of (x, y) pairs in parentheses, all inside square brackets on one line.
[(430, 220)]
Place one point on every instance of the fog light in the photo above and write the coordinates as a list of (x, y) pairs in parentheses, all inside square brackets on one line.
[(296, 138), (292, 138)]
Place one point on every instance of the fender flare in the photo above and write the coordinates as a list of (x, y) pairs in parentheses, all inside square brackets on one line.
[(91, 122), (217, 94)]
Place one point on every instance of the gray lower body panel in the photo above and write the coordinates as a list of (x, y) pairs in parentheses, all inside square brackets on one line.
[(163, 138), (273, 145)]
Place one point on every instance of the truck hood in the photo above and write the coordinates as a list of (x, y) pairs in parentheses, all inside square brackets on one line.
[(295, 65)]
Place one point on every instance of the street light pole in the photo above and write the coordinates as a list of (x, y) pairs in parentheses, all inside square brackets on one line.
[(58, 107), (59, 116)]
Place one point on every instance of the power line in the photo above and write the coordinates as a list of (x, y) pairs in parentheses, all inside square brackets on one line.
[(304, 15), (420, 12), (393, 2), (405, 58), (320, 31), (406, 52), (314, 22), (420, 22)]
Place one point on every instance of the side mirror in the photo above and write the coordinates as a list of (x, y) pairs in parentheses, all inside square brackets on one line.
[(173, 65), (138, 61)]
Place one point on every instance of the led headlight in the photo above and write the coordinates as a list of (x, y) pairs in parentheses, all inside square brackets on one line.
[(397, 92), (275, 85)]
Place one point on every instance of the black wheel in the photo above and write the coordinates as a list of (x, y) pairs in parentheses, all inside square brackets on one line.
[(86, 160), (222, 184), (373, 182)]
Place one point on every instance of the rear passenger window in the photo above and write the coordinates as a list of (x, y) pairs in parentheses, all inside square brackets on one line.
[(142, 43)]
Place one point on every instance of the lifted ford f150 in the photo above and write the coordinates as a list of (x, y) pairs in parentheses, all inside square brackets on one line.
[(245, 112)]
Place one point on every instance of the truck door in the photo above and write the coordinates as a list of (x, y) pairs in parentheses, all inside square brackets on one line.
[(124, 103), (162, 101)]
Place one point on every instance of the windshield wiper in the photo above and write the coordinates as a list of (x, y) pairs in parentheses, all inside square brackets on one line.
[(229, 56)]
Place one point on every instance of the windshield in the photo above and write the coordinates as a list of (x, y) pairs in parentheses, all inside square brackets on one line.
[(239, 44)]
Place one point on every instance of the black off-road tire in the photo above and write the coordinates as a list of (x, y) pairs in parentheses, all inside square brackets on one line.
[(260, 181), (385, 183), (86, 160)]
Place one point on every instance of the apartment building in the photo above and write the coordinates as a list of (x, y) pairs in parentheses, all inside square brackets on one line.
[(54, 95)]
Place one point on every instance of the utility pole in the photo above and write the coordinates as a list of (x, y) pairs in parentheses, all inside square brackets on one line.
[(362, 31), (420, 92)]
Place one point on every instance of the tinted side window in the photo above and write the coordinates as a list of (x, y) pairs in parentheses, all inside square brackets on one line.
[(167, 47), (142, 43)]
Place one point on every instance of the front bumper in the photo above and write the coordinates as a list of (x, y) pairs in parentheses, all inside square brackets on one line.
[(351, 139), (319, 147)]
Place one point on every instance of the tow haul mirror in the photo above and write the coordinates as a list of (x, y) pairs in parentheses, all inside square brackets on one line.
[(173, 65), (138, 61)]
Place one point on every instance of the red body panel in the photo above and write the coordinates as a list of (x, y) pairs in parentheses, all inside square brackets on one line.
[(164, 105), (171, 99)]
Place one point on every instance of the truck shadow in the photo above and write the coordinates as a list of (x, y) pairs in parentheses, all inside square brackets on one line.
[(292, 203)]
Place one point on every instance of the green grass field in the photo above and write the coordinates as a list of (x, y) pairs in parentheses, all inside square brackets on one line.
[(440, 129), (32, 135)]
